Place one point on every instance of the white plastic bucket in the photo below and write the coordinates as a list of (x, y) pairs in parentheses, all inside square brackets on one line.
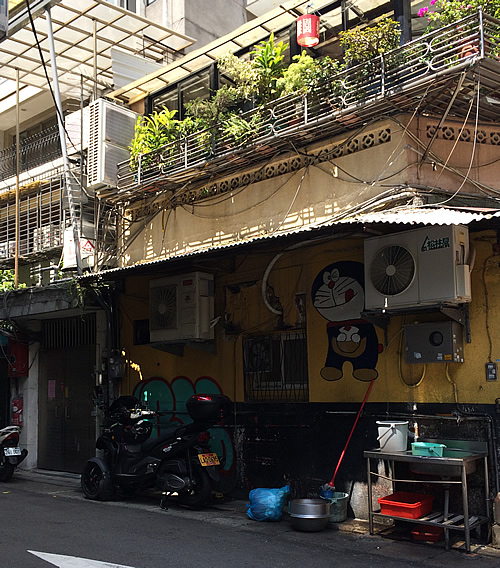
[(393, 436)]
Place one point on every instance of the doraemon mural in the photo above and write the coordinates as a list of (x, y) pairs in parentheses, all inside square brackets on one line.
[(338, 295)]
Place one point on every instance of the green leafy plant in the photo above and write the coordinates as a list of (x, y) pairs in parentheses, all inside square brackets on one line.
[(256, 79), (152, 133), (240, 130), (7, 281), (363, 44), (444, 12), (269, 61)]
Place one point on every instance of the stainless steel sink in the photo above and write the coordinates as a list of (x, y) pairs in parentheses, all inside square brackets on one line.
[(443, 466)]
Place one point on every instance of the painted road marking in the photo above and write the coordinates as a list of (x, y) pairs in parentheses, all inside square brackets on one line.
[(74, 562)]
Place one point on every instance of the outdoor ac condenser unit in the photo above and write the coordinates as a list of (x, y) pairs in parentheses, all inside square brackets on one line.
[(427, 266), (111, 129), (181, 308)]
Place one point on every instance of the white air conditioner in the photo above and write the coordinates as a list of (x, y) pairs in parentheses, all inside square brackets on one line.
[(422, 267), (181, 308), (111, 130)]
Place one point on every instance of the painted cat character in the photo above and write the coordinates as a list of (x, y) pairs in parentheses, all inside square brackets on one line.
[(338, 295)]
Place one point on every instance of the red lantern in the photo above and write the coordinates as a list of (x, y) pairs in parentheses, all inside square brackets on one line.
[(308, 30)]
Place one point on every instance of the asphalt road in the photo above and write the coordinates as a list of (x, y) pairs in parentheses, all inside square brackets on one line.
[(55, 519)]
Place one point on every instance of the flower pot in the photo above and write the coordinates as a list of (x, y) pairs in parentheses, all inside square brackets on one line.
[(468, 50)]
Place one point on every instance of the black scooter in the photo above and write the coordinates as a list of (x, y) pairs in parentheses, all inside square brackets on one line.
[(178, 461), (11, 454)]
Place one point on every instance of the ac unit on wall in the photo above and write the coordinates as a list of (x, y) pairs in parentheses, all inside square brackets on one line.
[(427, 266), (181, 308), (111, 130)]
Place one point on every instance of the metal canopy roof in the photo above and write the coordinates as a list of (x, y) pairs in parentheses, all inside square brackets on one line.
[(74, 24), (403, 215), (247, 35)]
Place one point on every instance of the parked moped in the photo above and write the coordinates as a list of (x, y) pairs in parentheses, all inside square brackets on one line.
[(178, 461), (11, 454)]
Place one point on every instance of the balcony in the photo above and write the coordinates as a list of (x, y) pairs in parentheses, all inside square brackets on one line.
[(437, 74), (34, 152)]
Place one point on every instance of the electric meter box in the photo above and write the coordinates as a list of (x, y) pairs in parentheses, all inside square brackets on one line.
[(434, 342)]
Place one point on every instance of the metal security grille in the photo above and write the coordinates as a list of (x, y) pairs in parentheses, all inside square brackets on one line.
[(275, 367), (69, 332)]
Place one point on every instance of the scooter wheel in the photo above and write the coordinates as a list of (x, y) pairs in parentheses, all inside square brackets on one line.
[(6, 471), (199, 494), (93, 484)]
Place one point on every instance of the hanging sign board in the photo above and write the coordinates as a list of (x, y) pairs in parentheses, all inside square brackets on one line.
[(87, 249)]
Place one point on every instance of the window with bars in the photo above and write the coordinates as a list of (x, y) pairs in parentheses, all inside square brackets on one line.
[(275, 367)]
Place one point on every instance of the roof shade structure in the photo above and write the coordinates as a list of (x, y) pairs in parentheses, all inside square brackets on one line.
[(245, 36), (85, 32)]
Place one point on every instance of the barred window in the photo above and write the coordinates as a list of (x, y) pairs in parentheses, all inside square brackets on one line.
[(275, 367)]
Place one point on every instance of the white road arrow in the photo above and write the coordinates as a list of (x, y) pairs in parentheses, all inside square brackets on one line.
[(74, 562)]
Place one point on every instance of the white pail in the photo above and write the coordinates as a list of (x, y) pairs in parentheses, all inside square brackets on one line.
[(393, 436)]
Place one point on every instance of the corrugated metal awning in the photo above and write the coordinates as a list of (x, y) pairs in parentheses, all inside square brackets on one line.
[(396, 216), (422, 215)]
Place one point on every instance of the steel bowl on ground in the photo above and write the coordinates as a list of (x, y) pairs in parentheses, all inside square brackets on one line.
[(309, 514)]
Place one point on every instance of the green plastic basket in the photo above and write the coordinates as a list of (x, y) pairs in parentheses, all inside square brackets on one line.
[(429, 449)]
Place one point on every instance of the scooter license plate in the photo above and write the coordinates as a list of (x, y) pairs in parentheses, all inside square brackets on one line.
[(208, 459), (12, 451)]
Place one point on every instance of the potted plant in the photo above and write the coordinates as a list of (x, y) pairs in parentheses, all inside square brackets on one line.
[(362, 50), (153, 133), (442, 13), (364, 44), (256, 79)]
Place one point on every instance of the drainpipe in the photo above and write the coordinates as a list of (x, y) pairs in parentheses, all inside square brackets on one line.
[(62, 136)]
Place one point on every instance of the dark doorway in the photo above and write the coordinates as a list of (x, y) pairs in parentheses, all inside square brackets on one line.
[(66, 427)]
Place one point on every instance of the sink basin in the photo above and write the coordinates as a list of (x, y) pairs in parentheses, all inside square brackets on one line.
[(445, 469)]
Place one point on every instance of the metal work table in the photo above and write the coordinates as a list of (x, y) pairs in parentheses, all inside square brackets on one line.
[(455, 463)]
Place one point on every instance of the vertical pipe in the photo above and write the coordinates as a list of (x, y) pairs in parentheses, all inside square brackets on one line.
[(18, 142), (62, 136), (94, 76)]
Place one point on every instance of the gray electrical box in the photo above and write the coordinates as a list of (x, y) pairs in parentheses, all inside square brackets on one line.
[(436, 342)]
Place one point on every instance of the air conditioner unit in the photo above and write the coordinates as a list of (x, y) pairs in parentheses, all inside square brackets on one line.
[(181, 308), (422, 267), (111, 130)]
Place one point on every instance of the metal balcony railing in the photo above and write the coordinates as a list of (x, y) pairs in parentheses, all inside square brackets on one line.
[(434, 74), (34, 151)]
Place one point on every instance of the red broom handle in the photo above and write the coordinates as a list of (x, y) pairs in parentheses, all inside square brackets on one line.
[(331, 483)]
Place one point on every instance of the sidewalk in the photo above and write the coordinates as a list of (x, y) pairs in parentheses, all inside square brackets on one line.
[(350, 534)]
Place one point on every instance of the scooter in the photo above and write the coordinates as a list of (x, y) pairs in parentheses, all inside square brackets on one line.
[(179, 461), (11, 454)]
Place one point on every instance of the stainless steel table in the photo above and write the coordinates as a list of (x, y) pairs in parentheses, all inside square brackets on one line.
[(455, 463)]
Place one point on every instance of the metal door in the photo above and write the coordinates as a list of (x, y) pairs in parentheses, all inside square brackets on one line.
[(66, 425)]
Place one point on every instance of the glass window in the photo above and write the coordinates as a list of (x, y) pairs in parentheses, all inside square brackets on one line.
[(169, 99)]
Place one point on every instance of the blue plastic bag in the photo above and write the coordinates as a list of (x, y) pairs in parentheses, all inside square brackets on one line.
[(267, 504)]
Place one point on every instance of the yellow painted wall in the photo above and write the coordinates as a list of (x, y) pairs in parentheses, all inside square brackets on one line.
[(292, 274)]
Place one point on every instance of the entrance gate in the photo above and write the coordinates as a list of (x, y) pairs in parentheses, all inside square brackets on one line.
[(66, 427)]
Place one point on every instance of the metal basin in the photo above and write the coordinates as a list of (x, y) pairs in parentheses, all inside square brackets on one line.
[(445, 469), (309, 514)]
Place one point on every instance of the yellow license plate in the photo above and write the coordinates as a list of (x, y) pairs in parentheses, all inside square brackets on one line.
[(208, 459)]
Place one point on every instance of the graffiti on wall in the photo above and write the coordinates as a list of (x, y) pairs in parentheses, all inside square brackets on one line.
[(338, 295), (170, 399)]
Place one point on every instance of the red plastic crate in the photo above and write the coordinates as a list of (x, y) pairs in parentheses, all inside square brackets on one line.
[(428, 533), (406, 505)]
